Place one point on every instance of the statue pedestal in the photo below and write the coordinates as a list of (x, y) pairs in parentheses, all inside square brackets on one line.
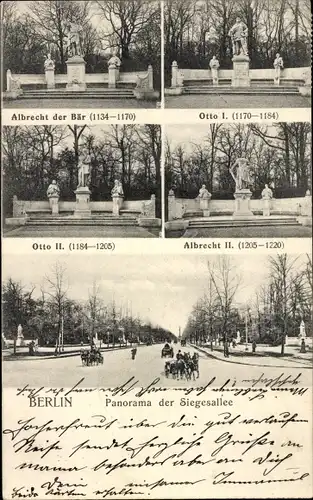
[(114, 74), (49, 75), (266, 208), (204, 206), (20, 342), (240, 75), (82, 207), (54, 204), (242, 204), (117, 204), (76, 73), (214, 73)]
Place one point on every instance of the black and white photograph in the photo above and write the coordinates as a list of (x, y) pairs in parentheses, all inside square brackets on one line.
[(243, 54), (238, 180), (78, 181), (81, 54), (174, 318)]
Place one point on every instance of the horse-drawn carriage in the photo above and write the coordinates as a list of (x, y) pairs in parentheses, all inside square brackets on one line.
[(91, 358), (167, 351), (184, 366)]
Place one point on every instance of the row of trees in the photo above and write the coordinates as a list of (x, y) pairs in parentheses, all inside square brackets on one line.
[(32, 29), (34, 156), (46, 312), (279, 156), (197, 29), (276, 309)]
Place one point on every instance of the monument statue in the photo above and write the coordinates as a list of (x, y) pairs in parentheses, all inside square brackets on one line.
[(214, 63), (114, 62), (53, 190), (242, 176), (73, 40), (238, 35), (278, 63), (267, 193), (117, 189), (204, 193), (49, 63), (20, 331), (84, 168)]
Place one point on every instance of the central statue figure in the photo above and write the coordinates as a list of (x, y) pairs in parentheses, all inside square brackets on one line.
[(84, 167), (117, 188), (242, 176), (238, 35), (73, 40)]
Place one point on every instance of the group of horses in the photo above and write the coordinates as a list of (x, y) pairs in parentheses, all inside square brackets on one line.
[(184, 366), (91, 358)]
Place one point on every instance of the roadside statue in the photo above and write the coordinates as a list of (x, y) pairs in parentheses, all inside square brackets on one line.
[(238, 35), (53, 190), (84, 168), (73, 40), (117, 189), (49, 63), (267, 193), (242, 175)]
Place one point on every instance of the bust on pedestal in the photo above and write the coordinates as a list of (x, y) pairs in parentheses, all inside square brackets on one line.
[(82, 208), (53, 194), (242, 194), (75, 64), (267, 196), (204, 197), (49, 72), (239, 34), (214, 65), (114, 64), (117, 197)]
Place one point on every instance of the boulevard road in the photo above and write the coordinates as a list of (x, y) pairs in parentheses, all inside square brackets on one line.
[(118, 367)]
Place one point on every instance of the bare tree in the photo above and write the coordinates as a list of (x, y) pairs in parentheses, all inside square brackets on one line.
[(226, 281), (57, 289)]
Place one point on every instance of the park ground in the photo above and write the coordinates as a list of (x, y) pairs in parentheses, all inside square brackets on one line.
[(66, 370), (100, 104), (237, 101), (79, 232), (243, 232)]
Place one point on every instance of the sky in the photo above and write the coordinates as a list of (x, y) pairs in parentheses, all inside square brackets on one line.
[(162, 289), (192, 134)]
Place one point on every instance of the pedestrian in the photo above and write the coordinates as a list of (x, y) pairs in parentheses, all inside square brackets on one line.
[(226, 349), (253, 346)]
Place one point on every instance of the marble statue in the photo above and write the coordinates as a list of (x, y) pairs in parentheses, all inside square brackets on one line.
[(49, 63), (53, 190), (114, 62), (242, 176), (117, 188), (73, 40), (204, 193), (84, 168), (20, 332), (267, 193), (278, 63), (302, 334), (238, 35), (214, 63)]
